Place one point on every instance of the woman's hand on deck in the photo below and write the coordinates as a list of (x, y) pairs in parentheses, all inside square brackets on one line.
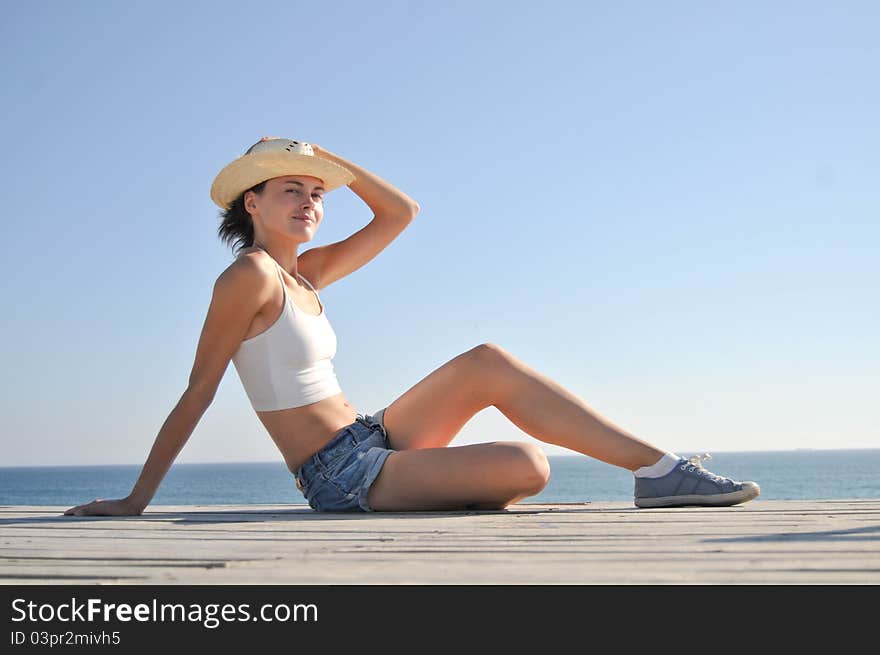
[(99, 507)]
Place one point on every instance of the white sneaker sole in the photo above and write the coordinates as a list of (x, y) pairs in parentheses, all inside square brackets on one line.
[(749, 490)]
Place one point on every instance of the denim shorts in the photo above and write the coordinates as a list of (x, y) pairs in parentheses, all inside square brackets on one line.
[(338, 477)]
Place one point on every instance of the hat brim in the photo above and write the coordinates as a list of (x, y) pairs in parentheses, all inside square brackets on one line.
[(249, 170)]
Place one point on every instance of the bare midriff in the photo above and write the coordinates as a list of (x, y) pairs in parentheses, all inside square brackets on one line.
[(300, 432)]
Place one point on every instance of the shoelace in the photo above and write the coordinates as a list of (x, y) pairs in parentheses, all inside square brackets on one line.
[(695, 464)]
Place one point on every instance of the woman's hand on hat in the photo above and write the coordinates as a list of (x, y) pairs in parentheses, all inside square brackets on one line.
[(319, 151)]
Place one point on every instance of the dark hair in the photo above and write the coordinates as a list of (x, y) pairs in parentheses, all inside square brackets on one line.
[(237, 226)]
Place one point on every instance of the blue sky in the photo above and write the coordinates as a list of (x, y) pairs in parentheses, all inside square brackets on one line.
[(669, 208)]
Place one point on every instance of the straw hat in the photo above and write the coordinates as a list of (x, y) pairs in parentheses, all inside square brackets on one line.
[(274, 158)]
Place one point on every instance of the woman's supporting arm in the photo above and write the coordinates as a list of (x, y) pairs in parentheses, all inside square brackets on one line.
[(169, 442), (174, 433), (239, 292)]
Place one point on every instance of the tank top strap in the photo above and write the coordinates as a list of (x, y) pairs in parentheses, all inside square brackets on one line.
[(281, 279), (302, 277), (277, 270)]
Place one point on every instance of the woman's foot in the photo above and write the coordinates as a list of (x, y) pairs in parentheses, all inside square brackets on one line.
[(690, 484)]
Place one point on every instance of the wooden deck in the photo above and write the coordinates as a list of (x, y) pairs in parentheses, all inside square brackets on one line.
[(763, 542)]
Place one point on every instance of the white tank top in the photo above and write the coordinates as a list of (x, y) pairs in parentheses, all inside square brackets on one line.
[(290, 363)]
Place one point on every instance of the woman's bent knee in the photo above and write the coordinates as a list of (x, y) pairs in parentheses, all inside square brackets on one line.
[(540, 469), (532, 469), (490, 354), (490, 368)]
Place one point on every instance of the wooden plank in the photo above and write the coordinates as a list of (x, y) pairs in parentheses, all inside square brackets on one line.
[(780, 542)]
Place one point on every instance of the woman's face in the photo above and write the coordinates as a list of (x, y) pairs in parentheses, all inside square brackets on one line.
[(291, 204)]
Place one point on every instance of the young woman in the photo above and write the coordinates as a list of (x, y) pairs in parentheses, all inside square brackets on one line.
[(267, 318)]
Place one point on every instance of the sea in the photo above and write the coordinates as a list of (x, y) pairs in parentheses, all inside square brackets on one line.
[(782, 475)]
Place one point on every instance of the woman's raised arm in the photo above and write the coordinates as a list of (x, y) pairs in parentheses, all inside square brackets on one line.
[(393, 211)]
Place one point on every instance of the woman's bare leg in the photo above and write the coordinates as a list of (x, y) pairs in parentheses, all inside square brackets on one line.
[(432, 412), (479, 476), (549, 412)]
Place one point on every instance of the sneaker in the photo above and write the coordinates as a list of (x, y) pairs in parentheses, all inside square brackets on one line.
[(690, 484)]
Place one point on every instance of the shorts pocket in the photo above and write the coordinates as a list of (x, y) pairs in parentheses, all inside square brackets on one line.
[(326, 496), (337, 450)]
